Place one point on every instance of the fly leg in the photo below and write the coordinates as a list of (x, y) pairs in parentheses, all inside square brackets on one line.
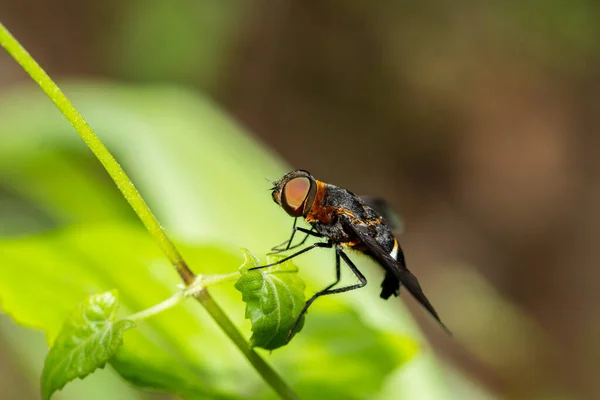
[(339, 253), (278, 249), (326, 245), (287, 242)]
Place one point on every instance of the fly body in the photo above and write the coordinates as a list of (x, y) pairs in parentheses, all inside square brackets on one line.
[(345, 220)]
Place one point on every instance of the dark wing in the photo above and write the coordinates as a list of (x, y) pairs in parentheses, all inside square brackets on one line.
[(391, 218), (390, 285), (394, 267)]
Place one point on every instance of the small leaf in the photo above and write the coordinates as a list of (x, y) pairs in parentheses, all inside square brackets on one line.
[(274, 298), (88, 339)]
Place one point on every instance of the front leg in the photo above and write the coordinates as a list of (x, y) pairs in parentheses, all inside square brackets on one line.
[(327, 244), (287, 242), (311, 232), (288, 247)]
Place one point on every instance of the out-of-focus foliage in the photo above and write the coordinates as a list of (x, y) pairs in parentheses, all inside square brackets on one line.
[(203, 177), (186, 42)]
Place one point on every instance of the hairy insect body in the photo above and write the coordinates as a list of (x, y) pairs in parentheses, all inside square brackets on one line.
[(345, 221), (335, 209), (342, 204)]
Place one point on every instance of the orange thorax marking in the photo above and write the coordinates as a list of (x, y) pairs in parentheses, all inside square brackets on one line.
[(324, 214), (318, 212)]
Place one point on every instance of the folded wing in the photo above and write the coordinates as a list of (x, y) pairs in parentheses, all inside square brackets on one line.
[(394, 267)]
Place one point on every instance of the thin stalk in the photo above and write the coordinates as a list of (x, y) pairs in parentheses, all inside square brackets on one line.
[(201, 283), (118, 175), (135, 200), (158, 308)]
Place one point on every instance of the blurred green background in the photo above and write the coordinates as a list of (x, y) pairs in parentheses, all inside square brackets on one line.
[(477, 120)]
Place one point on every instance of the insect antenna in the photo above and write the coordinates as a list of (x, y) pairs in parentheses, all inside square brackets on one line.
[(274, 183)]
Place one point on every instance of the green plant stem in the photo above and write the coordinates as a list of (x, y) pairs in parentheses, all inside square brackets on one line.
[(125, 185), (131, 194)]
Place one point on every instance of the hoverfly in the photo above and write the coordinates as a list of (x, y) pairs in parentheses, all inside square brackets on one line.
[(345, 221)]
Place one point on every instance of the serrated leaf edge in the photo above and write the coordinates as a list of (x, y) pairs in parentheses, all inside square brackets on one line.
[(111, 326)]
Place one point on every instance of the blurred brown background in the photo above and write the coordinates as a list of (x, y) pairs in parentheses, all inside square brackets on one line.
[(476, 120)]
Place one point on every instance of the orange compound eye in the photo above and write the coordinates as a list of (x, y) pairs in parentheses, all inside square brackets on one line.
[(294, 195)]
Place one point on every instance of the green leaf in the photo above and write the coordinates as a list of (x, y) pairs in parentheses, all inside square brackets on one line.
[(182, 350), (157, 134), (89, 338), (274, 297), (64, 267)]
